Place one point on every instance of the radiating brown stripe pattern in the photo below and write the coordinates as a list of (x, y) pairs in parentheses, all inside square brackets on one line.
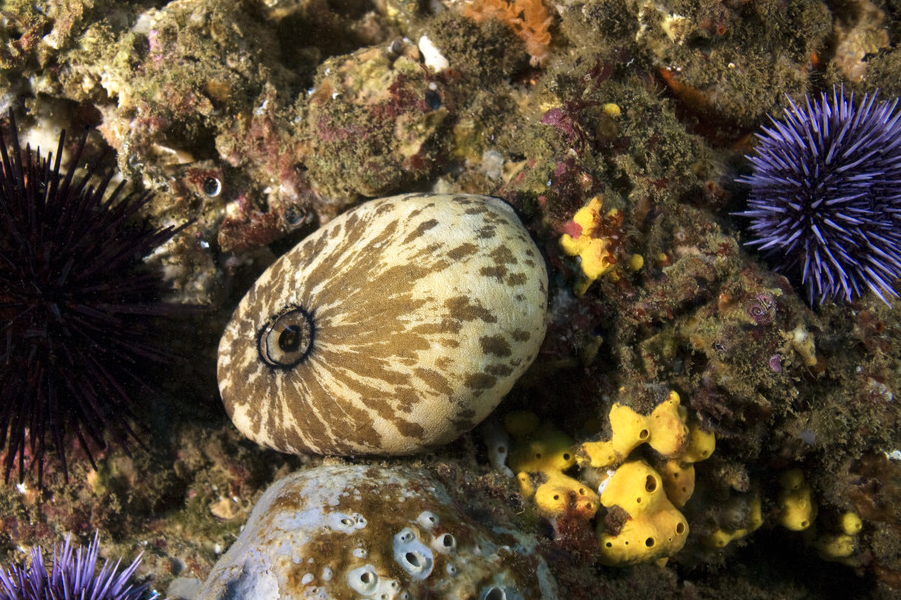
[(426, 309)]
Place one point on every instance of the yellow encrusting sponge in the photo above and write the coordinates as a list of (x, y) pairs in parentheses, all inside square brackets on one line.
[(796, 508), (653, 529), (664, 430), (585, 238), (539, 456)]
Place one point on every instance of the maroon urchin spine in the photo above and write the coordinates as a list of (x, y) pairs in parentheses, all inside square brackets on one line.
[(78, 306), (825, 198)]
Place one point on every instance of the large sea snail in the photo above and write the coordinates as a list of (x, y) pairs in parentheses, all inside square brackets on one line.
[(395, 327)]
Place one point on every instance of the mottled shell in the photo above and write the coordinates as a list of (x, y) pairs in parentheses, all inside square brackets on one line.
[(412, 316)]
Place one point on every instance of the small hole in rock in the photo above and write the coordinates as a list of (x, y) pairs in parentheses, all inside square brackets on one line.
[(212, 187), (495, 594)]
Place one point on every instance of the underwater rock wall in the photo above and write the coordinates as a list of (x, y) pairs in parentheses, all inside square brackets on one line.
[(618, 127)]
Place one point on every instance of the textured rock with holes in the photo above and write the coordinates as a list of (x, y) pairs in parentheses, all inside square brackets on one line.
[(394, 328), (359, 531)]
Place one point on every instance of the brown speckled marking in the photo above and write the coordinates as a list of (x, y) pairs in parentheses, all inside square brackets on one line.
[(495, 344), (462, 251), (479, 381), (499, 370), (496, 271), (422, 325), (516, 279), (420, 229), (462, 308)]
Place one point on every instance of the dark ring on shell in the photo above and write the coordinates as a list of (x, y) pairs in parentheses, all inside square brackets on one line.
[(286, 339)]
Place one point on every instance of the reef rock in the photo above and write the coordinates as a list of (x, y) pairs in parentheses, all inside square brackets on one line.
[(359, 531)]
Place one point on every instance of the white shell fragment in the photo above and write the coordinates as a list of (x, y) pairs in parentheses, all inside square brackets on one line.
[(416, 544), (395, 327), (431, 55)]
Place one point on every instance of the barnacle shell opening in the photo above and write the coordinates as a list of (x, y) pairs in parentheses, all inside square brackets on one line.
[(395, 327)]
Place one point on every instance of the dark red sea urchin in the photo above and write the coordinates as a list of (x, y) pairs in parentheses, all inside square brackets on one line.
[(825, 198), (78, 307), (71, 577)]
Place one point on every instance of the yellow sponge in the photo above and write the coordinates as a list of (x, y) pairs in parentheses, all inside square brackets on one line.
[(664, 430), (561, 493), (723, 537), (678, 481), (841, 547), (701, 444), (836, 547), (545, 450), (539, 456), (679, 473), (796, 508), (652, 528), (669, 433), (850, 523), (585, 241)]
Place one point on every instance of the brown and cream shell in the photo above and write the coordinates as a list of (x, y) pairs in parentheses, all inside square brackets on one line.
[(395, 327)]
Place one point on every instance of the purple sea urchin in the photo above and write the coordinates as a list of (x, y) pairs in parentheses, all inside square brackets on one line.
[(77, 304), (825, 198), (71, 577)]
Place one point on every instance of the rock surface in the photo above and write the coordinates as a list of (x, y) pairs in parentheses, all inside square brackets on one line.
[(359, 531)]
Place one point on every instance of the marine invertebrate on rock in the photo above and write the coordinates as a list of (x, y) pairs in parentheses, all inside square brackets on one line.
[(593, 238), (840, 546), (360, 531), (745, 516), (797, 509), (679, 473), (540, 457), (664, 430), (651, 528), (77, 303), (641, 523), (530, 20), (825, 199), (395, 327), (72, 577)]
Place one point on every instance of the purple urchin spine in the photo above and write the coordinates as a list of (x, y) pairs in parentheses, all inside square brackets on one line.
[(825, 200), (71, 577)]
